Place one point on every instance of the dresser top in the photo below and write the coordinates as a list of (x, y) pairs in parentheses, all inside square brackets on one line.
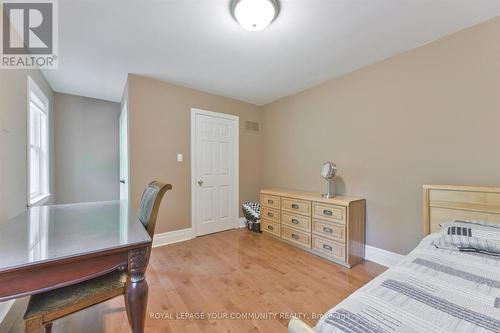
[(311, 196)]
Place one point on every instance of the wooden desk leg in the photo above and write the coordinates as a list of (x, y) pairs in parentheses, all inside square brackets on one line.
[(136, 289)]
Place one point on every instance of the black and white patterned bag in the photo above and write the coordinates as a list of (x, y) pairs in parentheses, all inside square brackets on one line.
[(251, 211)]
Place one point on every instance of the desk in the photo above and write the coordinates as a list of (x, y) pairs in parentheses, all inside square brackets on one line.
[(50, 247)]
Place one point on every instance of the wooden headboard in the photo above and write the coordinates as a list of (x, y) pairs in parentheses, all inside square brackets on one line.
[(449, 202)]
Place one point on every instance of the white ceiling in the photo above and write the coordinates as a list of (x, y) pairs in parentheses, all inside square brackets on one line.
[(197, 44)]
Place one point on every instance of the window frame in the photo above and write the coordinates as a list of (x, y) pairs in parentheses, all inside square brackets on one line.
[(41, 102)]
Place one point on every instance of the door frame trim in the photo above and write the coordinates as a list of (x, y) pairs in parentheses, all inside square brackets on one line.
[(124, 108), (236, 203)]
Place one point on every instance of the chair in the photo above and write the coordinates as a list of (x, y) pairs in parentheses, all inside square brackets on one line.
[(44, 308)]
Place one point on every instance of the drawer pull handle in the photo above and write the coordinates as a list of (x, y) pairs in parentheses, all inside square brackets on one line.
[(294, 221), (270, 227), (270, 201), (295, 206), (294, 236), (327, 247), (328, 230), (270, 214), (327, 212)]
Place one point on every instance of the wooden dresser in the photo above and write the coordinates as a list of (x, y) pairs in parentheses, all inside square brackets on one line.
[(331, 228)]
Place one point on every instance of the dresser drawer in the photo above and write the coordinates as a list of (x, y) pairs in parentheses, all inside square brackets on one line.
[(270, 214), (297, 237), (296, 221), (329, 212), (330, 230), (328, 247), (296, 206), (270, 227), (270, 201)]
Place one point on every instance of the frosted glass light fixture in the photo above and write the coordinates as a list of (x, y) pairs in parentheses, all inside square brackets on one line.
[(254, 15)]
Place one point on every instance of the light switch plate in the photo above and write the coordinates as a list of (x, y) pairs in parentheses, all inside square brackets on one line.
[(179, 157)]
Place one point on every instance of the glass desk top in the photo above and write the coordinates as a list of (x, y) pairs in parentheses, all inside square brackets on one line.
[(49, 233)]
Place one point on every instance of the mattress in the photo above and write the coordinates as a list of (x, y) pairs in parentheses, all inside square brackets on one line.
[(431, 290)]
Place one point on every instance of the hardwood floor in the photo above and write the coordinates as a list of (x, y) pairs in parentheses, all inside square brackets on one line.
[(234, 273)]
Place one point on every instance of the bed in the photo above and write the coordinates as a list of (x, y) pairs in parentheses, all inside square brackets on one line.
[(432, 289)]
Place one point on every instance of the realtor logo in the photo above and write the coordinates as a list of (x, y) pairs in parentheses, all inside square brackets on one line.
[(29, 34)]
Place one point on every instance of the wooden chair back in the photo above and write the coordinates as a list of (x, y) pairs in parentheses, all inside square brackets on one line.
[(150, 204)]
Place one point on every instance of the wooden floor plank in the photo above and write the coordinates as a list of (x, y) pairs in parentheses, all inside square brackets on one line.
[(228, 275)]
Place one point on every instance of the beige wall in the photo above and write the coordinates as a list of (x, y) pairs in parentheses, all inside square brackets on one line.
[(159, 128), (431, 115), (86, 149)]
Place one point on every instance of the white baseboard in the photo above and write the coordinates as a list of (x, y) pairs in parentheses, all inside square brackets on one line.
[(172, 237), (177, 236), (382, 257)]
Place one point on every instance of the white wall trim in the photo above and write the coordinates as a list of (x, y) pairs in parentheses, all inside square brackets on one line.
[(382, 257), (124, 112), (172, 237), (32, 87)]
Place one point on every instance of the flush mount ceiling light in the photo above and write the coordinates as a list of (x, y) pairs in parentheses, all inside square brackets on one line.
[(254, 15)]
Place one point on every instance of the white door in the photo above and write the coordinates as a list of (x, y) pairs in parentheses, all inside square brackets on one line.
[(124, 153), (214, 171)]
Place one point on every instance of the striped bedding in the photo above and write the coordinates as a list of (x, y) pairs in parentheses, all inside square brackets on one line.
[(431, 290)]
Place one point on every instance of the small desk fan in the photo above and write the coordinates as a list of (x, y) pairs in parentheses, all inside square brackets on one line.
[(328, 171)]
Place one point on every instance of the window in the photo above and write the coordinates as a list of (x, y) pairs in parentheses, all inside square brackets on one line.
[(38, 143)]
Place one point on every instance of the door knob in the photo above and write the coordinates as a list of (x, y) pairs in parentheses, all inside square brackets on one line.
[(122, 181), (200, 182)]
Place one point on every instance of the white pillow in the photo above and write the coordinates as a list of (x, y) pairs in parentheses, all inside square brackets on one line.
[(470, 236)]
